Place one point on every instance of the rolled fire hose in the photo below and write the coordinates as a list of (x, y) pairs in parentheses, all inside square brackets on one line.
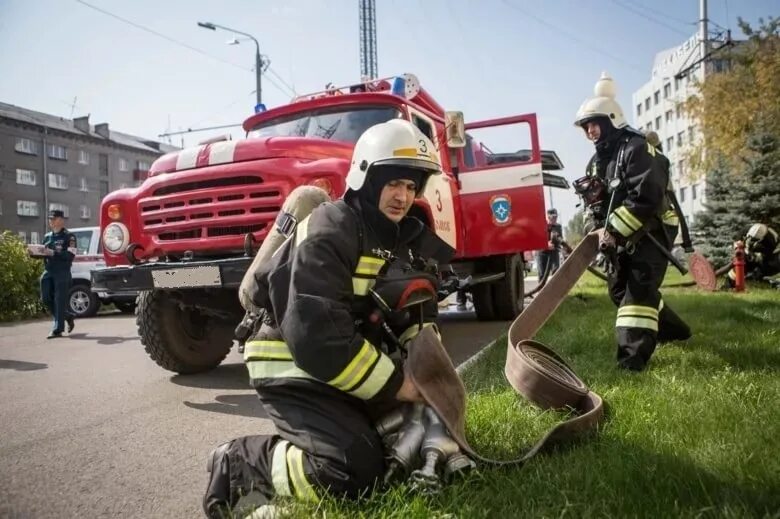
[(532, 369)]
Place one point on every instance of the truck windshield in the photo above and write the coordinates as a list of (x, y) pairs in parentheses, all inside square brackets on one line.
[(337, 124)]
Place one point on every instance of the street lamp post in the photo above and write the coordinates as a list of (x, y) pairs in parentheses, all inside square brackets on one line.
[(258, 58)]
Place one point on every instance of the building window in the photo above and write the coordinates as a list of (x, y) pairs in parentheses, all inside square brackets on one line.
[(647, 104), (142, 165), (691, 133), (23, 236), (27, 208), (669, 143), (658, 123), (676, 84), (26, 177), (35, 237), (657, 97), (103, 188), (682, 194), (58, 152), (678, 111), (693, 192), (680, 167), (25, 146), (680, 137), (639, 109), (667, 90), (86, 214), (58, 181), (83, 185), (669, 115), (123, 165), (59, 207), (83, 157)]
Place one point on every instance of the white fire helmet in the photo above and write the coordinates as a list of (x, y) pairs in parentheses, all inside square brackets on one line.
[(602, 104), (757, 231), (396, 142)]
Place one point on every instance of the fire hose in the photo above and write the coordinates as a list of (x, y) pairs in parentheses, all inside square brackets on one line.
[(532, 369)]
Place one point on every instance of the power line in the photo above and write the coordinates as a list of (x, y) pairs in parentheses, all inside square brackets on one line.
[(571, 36), (175, 41), (661, 13), (648, 17)]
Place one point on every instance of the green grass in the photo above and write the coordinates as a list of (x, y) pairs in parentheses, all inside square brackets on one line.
[(695, 435)]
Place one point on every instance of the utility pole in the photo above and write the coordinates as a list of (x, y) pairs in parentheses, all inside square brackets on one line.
[(703, 32), (368, 60), (258, 57)]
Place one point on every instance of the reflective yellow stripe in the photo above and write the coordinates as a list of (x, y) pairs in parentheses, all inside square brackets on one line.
[(660, 306), (405, 152), (279, 474), (732, 275), (361, 286), (637, 322), (301, 231), (303, 489), (644, 311), (619, 226), (369, 266), (356, 368), (376, 380), (670, 218), (259, 369), (651, 149), (637, 316), (412, 331), (259, 350)]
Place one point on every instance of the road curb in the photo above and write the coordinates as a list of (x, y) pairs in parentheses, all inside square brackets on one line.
[(466, 364)]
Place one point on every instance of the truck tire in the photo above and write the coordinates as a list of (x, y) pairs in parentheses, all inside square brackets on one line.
[(82, 301), (508, 293), (482, 294), (180, 340)]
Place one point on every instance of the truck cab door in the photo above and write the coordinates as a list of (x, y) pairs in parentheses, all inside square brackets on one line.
[(501, 187)]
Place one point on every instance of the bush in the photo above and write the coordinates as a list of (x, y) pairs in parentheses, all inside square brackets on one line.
[(19, 275)]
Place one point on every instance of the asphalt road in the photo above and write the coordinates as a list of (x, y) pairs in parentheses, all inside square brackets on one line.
[(91, 427)]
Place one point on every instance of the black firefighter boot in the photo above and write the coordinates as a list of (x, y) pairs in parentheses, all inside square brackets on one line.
[(671, 327), (219, 498)]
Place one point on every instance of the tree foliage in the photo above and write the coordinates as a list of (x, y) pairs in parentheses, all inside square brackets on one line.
[(575, 229), (734, 202), (18, 280), (732, 105)]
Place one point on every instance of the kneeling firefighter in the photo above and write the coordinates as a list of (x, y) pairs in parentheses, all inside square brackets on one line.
[(637, 225), (762, 254), (322, 367)]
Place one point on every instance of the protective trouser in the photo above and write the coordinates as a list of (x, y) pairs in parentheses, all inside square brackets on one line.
[(547, 259), (642, 317), (325, 443), (54, 293)]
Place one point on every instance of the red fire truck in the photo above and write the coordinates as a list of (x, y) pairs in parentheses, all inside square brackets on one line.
[(186, 236)]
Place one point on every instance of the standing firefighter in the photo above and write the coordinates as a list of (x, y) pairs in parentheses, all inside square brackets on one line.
[(638, 206), (318, 360), (60, 246), (550, 259)]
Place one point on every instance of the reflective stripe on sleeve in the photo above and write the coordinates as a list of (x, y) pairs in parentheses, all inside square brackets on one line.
[(351, 375), (259, 369), (279, 474), (383, 370), (637, 316), (670, 218), (624, 222), (411, 332), (303, 489)]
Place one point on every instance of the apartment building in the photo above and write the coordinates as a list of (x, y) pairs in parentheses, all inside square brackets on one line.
[(49, 162)]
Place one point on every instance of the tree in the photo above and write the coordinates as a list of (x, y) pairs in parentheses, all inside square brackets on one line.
[(18, 280), (732, 105), (734, 202)]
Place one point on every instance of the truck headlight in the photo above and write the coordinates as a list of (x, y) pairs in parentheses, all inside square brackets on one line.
[(115, 237)]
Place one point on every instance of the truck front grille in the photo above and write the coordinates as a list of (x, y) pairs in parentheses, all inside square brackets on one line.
[(210, 208)]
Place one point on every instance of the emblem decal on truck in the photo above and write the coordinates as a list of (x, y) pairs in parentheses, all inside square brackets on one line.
[(501, 206)]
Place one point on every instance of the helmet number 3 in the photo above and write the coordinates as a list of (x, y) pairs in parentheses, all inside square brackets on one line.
[(423, 147)]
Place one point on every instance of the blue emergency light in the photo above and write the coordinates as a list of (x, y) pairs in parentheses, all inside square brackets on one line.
[(259, 107)]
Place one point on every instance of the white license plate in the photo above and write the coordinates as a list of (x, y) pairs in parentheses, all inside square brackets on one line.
[(187, 277)]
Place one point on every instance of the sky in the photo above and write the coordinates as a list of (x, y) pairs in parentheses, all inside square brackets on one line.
[(147, 68)]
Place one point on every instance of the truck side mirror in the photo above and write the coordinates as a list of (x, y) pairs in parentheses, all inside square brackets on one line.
[(455, 128)]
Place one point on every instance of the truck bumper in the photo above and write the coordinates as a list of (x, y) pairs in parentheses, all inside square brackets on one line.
[(226, 273)]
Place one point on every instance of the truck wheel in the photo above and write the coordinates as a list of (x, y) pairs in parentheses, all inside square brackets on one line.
[(482, 296), (508, 293), (82, 302), (181, 340)]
